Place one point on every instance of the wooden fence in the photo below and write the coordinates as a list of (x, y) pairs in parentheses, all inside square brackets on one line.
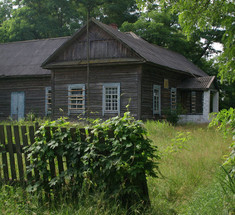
[(14, 162), (13, 158)]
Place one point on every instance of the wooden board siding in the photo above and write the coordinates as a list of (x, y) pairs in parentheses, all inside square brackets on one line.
[(127, 76), (151, 76), (102, 46), (34, 89)]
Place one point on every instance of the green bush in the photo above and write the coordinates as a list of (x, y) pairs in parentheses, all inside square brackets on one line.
[(171, 116), (225, 120), (115, 158)]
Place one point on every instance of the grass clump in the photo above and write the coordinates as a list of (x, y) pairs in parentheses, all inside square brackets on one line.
[(187, 170)]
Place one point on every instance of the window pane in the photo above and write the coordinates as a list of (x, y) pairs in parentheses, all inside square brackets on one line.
[(156, 99), (76, 99), (111, 98)]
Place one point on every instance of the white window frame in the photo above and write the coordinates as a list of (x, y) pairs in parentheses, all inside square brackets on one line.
[(173, 90), (70, 87), (111, 85), (47, 89), (157, 87)]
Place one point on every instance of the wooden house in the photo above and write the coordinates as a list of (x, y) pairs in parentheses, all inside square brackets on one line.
[(99, 75)]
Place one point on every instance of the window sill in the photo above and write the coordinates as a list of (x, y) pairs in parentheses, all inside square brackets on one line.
[(107, 112), (192, 114)]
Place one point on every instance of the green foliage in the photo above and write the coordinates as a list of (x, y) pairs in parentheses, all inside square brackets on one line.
[(225, 120), (178, 143), (31, 19), (172, 116), (190, 185), (205, 15), (114, 164), (210, 20), (160, 27)]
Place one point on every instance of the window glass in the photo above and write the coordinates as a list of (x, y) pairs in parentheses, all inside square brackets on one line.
[(76, 98), (111, 98), (156, 99)]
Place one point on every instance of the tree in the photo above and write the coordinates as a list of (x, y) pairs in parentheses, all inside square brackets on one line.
[(217, 14), (43, 19), (205, 15), (158, 25), (39, 19), (5, 10)]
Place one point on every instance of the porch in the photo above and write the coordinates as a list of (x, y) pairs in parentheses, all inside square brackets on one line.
[(198, 97)]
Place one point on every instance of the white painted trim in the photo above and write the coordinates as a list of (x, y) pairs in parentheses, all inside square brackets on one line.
[(159, 95), (111, 85), (82, 86)]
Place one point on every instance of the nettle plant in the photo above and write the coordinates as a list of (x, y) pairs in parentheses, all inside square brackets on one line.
[(115, 158)]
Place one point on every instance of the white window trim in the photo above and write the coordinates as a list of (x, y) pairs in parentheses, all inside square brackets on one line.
[(159, 107), (70, 86), (106, 85), (174, 90), (46, 99)]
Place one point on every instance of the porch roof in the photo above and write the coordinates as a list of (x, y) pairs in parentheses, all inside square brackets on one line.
[(199, 83)]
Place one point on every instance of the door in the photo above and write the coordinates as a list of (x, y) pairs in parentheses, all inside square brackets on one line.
[(17, 105)]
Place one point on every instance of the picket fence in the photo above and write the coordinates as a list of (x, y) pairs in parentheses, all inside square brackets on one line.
[(13, 157)]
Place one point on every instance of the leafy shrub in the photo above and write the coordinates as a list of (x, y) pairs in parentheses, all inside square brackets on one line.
[(115, 157), (225, 120), (171, 116)]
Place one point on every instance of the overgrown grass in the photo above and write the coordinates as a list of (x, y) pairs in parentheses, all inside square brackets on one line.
[(190, 170), (191, 156)]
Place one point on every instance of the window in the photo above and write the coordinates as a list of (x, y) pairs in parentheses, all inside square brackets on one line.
[(193, 102), (173, 99), (48, 101), (76, 98), (111, 98), (166, 83), (156, 99)]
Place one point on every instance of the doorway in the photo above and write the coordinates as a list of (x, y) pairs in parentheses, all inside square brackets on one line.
[(17, 105)]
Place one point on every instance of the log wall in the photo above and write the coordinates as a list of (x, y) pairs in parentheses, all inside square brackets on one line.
[(127, 76), (34, 89), (155, 76)]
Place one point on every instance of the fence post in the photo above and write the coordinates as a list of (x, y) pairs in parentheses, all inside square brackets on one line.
[(25, 144), (11, 153), (4, 154), (19, 154)]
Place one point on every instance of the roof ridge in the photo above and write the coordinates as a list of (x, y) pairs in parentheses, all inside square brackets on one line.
[(34, 40)]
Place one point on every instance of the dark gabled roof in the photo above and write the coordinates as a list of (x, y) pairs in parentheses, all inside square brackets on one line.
[(149, 52), (200, 83), (155, 54), (25, 57)]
